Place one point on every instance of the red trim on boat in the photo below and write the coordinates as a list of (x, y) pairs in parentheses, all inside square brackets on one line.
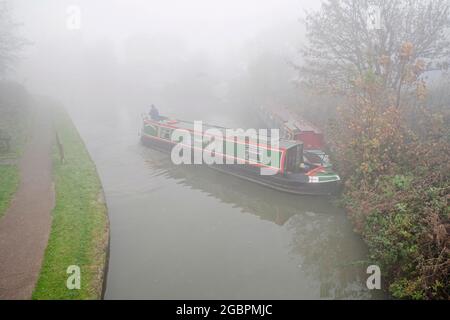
[(315, 170), (195, 132), (259, 165)]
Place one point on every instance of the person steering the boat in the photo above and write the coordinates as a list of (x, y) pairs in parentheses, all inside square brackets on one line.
[(154, 113)]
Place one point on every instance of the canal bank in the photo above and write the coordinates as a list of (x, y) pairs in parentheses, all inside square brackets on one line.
[(193, 233), (9, 177), (15, 118), (79, 237)]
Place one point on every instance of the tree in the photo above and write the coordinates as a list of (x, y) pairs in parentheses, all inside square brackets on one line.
[(343, 48), (391, 149), (10, 42)]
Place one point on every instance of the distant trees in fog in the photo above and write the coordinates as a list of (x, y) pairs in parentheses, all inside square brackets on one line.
[(343, 45), (10, 42), (390, 137)]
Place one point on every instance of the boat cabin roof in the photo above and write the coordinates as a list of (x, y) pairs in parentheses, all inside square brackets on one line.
[(189, 125), (292, 120)]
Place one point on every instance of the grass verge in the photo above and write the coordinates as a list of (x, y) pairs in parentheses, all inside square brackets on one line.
[(15, 119), (9, 180), (80, 229)]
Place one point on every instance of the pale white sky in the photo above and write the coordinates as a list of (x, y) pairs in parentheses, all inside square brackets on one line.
[(206, 25), (149, 42)]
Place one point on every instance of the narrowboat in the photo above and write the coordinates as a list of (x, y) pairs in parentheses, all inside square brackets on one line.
[(289, 173), (293, 127)]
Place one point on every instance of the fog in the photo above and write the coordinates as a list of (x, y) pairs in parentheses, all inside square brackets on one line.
[(183, 56), (197, 60), (372, 79)]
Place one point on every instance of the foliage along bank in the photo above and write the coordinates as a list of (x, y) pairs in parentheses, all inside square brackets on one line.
[(396, 164), (80, 229)]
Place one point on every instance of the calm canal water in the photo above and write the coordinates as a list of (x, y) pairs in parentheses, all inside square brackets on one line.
[(193, 233)]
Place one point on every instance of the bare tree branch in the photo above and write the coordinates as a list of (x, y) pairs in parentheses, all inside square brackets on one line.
[(342, 48), (10, 43)]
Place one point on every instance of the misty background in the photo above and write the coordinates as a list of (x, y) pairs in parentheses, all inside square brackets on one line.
[(217, 61), (191, 59)]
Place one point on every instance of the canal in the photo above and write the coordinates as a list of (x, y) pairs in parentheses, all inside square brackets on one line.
[(193, 233)]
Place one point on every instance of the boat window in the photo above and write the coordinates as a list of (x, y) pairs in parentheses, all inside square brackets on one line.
[(165, 133), (317, 158), (313, 158), (294, 158)]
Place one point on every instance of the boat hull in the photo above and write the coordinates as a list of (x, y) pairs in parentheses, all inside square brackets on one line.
[(294, 184)]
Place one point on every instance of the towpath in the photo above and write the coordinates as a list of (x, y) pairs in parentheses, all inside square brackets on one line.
[(25, 227)]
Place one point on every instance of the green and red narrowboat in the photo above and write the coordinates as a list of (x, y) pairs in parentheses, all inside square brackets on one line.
[(290, 173), (293, 127)]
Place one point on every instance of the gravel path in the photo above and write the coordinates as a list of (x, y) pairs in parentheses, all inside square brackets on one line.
[(25, 227)]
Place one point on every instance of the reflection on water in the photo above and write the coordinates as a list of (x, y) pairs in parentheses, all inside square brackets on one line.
[(322, 244), (191, 232)]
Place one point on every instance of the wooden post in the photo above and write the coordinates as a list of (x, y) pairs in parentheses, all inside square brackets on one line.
[(60, 149)]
